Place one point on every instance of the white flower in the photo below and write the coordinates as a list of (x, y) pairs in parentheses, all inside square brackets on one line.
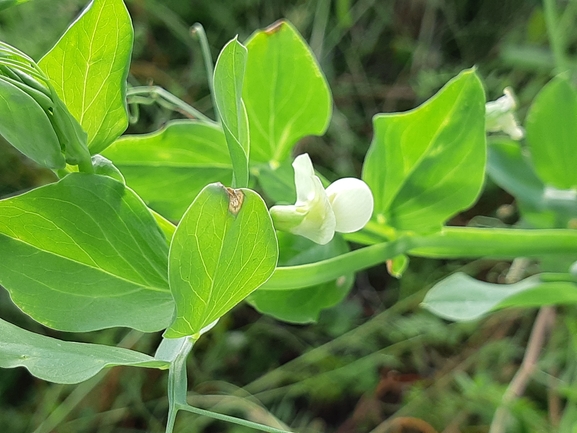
[(500, 116), (345, 206)]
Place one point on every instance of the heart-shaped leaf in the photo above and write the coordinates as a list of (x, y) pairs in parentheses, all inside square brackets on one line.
[(224, 248), (83, 254)]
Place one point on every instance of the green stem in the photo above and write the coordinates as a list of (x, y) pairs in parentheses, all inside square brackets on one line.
[(153, 94), (231, 419), (177, 382), (451, 242), (556, 38), (198, 31), (296, 277)]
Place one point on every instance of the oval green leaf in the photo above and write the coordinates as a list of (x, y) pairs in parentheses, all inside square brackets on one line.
[(287, 96), (63, 361), (426, 165), (462, 298), (88, 68), (24, 124), (84, 254), (228, 82), (552, 133), (168, 168), (224, 248)]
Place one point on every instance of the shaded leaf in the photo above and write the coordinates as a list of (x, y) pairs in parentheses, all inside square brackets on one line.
[(83, 254), (426, 165), (24, 124), (224, 248), (168, 168), (286, 94), (88, 67), (552, 133), (63, 361)]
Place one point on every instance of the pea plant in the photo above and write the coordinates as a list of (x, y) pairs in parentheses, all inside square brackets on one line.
[(170, 230)]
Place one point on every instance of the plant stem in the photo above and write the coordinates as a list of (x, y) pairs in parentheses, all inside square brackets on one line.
[(231, 419), (153, 94), (543, 323), (451, 242), (177, 382), (198, 31)]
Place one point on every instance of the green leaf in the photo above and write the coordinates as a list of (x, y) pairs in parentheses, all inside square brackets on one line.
[(88, 67), (278, 182), (286, 94), (84, 254), (62, 361), (426, 165), (540, 206), (168, 168), (24, 124), (303, 305), (228, 81), (224, 248), (552, 133), (461, 298)]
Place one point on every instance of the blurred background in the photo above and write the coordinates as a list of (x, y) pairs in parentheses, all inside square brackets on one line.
[(376, 362)]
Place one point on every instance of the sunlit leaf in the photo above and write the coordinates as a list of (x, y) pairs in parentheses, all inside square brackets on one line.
[(228, 82), (88, 67), (168, 168), (63, 361), (461, 298), (83, 254), (303, 305), (224, 248), (286, 94), (427, 164), (552, 133), (24, 124)]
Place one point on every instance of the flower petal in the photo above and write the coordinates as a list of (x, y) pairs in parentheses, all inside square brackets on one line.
[(305, 179), (352, 202)]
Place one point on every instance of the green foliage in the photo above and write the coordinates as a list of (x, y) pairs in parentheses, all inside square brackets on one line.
[(552, 131), (169, 167), (426, 165), (228, 84), (303, 305), (27, 127), (95, 256), (45, 357), (285, 92), (460, 297), (87, 252), (88, 67), (235, 251)]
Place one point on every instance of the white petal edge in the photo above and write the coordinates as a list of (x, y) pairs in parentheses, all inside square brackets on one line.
[(352, 202)]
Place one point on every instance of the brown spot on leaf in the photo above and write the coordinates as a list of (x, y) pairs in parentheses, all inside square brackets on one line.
[(235, 199)]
